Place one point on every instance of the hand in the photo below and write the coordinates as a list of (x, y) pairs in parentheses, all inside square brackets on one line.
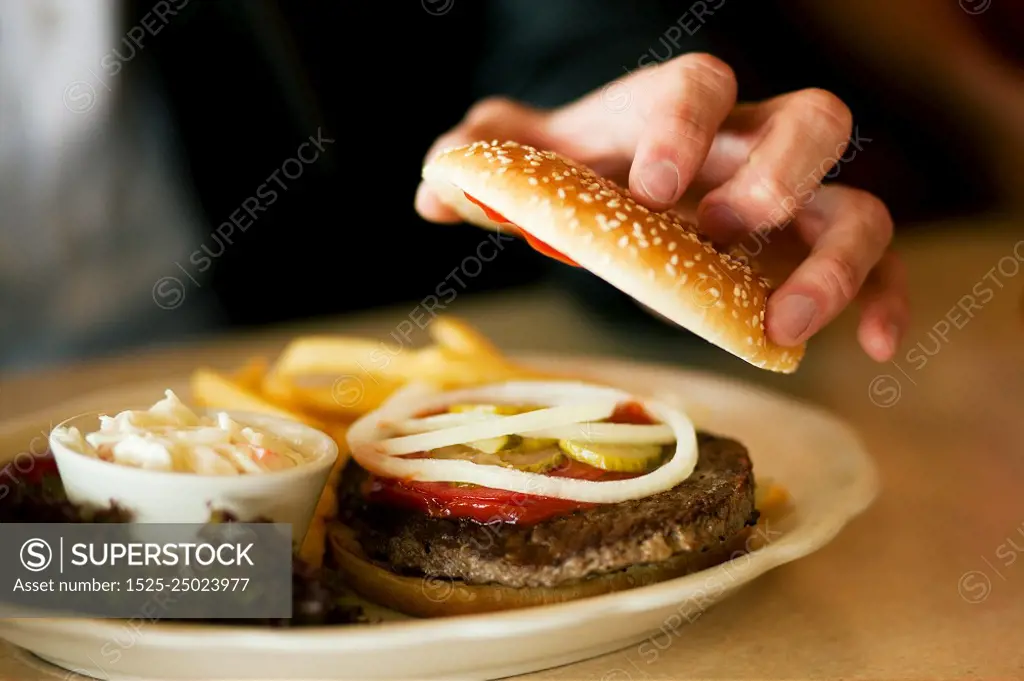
[(676, 137)]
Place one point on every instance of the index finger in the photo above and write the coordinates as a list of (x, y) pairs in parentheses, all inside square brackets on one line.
[(661, 121)]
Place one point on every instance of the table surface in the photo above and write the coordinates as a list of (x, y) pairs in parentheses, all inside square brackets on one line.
[(924, 585)]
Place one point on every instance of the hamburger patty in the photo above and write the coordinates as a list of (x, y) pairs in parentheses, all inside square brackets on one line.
[(700, 514)]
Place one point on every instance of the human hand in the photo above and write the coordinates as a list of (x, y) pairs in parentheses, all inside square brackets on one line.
[(675, 135)]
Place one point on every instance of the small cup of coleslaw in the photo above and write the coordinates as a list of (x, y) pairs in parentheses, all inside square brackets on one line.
[(171, 464)]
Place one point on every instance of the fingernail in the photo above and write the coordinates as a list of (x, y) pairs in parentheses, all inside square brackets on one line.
[(660, 181), (722, 222), (795, 314)]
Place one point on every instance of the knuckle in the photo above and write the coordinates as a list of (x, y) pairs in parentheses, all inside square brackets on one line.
[(707, 66), (826, 109), (875, 217), (688, 126), (839, 278), (771, 192)]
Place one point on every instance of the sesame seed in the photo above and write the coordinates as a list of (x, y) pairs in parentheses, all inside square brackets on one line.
[(674, 259), (614, 223), (561, 193), (529, 171), (623, 241), (533, 180), (672, 245), (657, 241), (586, 198), (735, 314), (736, 291), (687, 263), (670, 269), (534, 163), (696, 256), (545, 179), (614, 203), (619, 214)]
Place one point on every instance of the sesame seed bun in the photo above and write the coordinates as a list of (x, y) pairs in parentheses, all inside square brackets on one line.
[(656, 258)]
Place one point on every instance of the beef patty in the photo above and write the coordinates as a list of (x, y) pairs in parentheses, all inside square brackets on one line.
[(699, 515)]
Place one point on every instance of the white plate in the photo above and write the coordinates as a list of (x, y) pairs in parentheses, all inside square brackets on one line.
[(819, 460)]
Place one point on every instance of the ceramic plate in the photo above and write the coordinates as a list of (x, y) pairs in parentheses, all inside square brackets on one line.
[(819, 460)]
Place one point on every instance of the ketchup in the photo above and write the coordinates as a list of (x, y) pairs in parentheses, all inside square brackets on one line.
[(487, 505), (535, 243)]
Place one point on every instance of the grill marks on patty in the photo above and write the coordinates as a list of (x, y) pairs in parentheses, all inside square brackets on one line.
[(700, 514)]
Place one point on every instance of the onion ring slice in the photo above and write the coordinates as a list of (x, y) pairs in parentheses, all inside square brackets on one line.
[(365, 434), (496, 427)]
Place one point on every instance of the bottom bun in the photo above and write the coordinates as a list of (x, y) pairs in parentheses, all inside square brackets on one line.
[(435, 596)]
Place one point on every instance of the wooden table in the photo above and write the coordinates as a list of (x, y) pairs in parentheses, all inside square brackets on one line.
[(929, 583)]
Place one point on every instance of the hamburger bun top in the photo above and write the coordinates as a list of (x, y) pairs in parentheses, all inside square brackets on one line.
[(658, 259)]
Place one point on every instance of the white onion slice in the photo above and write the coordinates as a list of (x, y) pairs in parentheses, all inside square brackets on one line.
[(440, 421), (496, 427), (364, 440), (609, 433)]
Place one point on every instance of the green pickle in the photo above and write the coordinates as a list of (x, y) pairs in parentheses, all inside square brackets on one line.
[(533, 455), (612, 457), (536, 461)]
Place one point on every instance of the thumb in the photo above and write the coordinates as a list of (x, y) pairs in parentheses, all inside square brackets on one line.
[(495, 118)]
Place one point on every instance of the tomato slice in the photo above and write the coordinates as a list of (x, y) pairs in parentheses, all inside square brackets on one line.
[(482, 504), (486, 505), (535, 243)]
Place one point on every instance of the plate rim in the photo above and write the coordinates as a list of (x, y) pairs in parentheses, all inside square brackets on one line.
[(854, 499)]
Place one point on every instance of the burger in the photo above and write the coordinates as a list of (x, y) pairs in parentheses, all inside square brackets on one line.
[(536, 492)]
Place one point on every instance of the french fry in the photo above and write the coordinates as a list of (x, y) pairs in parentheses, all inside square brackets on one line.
[(315, 541), (438, 365), (347, 397), (250, 375), (213, 390), (456, 335), (772, 500), (339, 356)]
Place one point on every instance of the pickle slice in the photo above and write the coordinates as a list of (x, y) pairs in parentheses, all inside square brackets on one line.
[(618, 458), (464, 453), (535, 461), (530, 444)]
